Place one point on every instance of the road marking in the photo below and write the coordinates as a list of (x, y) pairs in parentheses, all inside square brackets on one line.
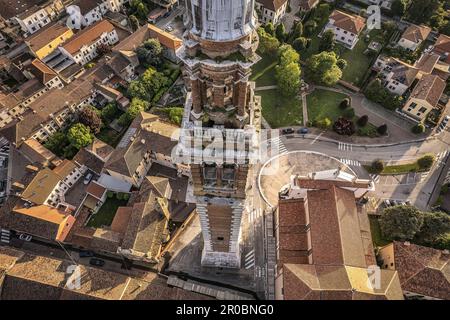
[(315, 139), (441, 156), (351, 162), (345, 146), (5, 236)]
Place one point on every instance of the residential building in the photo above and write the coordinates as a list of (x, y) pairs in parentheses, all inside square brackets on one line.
[(271, 10), (308, 5), (324, 244), (413, 37), (148, 140), (442, 48), (425, 97), (424, 272), (397, 76), (346, 27), (29, 16), (24, 276), (94, 156), (44, 74), (40, 221), (48, 39), (170, 43), (82, 48), (94, 10)]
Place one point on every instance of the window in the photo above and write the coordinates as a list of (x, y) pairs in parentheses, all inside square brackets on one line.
[(220, 238), (345, 32)]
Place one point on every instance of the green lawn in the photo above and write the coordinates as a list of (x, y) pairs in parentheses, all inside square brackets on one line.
[(399, 169), (377, 238), (324, 104), (110, 136), (264, 72), (280, 111), (105, 215), (358, 62)]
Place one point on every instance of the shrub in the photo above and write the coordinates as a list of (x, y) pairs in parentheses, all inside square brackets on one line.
[(345, 103), (344, 126), (377, 166), (418, 128), (110, 194), (324, 123), (382, 130), (349, 113), (426, 161), (362, 122), (119, 196), (126, 196)]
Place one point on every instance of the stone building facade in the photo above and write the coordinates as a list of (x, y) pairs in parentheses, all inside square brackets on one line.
[(218, 52)]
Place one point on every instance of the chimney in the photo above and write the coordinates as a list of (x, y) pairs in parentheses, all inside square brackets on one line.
[(18, 185), (31, 168), (407, 243)]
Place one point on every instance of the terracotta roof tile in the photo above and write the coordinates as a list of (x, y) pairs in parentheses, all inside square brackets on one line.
[(348, 22)]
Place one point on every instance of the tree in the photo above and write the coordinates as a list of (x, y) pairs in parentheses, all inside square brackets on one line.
[(103, 48), (139, 9), (109, 112), (324, 123), (377, 166), (90, 117), (344, 103), (310, 27), (176, 115), (300, 43), (344, 126), (327, 42), (288, 71), (56, 143), (134, 22), (323, 11), (363, 120), (382, 130), (150, 52), (398, 7), (421, 11), (418, 128), (147, 85), (268, 44), (400, 222), (136, 106), (79, 136), (296, 32), (434, 225), (426, 162), (280, 32), (323, 68), (342, 64), (270, 29)]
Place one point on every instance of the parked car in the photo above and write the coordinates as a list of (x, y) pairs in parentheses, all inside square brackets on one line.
[(169, 28), (97, 262), (303, 131), (86, 254), (88, 178), (287, 131), (25, 237)]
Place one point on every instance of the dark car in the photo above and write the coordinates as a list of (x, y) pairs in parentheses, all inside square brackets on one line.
[(287, 131), (86, 254), (97, 262), (303, 130)]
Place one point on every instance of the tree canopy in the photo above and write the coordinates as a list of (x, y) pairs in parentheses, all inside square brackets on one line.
[(288, 72), (79, 136), (137, 105), (268, 44), (401, 222), (150, 52), (90, 117), (323, 68)]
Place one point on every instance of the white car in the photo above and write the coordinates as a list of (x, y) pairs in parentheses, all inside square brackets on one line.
[(88, 178), (25, 237), (169, 28)]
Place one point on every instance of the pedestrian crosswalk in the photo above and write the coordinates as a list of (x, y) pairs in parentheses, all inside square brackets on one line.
[(350, 162), (254, 215), (249, 260), (5, 236), (345, 146), (276, 142), (441, 157), (375, 178)]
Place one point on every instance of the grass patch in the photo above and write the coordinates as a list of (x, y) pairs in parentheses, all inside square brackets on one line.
[(369, 130), (263, 73), (358, 63), (324, 104), (281, 111), (375, 229), (398, 169), (110, 136), (105, 215)]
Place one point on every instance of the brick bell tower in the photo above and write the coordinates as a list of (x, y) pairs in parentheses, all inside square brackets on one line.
[(218, 53)]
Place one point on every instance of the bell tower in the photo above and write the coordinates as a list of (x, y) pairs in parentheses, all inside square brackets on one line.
[(221, 108)]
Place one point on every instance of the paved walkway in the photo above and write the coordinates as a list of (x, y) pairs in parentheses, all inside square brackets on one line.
[(305, 109), (266, 88)]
